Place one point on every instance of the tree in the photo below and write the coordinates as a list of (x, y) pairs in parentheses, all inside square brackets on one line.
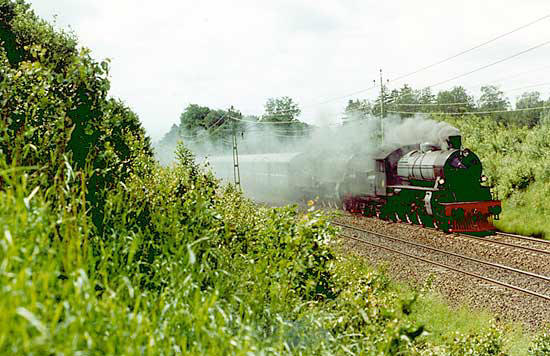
[(285, 111), (403, 100), (455, 100), (193, 119), (529, 100), (427, 99), (492, 99), (281, 109), (201, 122), (357, 110)]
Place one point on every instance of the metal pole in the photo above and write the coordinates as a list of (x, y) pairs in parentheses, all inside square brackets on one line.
[(381, 107), (236, 171)]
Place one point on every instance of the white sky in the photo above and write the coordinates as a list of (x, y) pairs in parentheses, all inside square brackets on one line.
[(167, 54)]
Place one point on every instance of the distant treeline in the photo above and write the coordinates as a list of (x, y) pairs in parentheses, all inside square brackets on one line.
[(203, 125), (529, 109)]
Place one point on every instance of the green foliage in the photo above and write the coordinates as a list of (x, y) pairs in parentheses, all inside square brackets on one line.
[(455, 100), (198, 121), (532, 117), (202, 124), (541, 345), (211, 131), (404, 100), (55, 112), (193, 118), (169, 261), (281, 109), (283, 112), (492, 99), (407, 101), (489, 343), (357, 110)]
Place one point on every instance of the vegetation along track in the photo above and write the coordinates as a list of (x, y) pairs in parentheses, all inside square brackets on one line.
[(515, 278)]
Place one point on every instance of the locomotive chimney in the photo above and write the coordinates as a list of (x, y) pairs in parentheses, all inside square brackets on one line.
[(454, 142)]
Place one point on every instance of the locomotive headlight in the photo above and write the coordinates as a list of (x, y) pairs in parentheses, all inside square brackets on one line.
[(484, 178), (441, 181)]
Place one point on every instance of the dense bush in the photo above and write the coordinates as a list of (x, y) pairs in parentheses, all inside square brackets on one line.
[(182, 266), (541, 345), (54, 110)]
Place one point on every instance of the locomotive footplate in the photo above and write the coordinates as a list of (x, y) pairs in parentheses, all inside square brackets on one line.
[(471, 216)]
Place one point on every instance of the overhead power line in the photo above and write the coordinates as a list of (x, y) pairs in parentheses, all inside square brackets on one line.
[(283, 113), (446, 59), (205, 132), (346, 95), (530, 86), (470, 49), (484, 67), (490, 64), (515, 75), (471, 112), (439, 104), (392, 99), (265, 122)]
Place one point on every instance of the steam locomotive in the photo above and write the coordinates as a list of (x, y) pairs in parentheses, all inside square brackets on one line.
[(423, 184)]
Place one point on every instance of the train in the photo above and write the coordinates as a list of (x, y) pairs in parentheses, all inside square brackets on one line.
[(433, 185)]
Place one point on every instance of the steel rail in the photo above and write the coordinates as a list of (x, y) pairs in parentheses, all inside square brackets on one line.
[(527, 248), (473, 259), (532, 249), (521, 237), (487, 279)]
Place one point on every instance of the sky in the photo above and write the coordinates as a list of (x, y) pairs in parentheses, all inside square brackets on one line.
[(167, 54)]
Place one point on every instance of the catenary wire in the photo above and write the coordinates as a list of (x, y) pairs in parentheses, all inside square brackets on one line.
[(470, 49), (490, 64), (469, 112)]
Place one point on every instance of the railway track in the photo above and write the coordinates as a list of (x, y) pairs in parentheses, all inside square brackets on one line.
[(525, 246), (529, 280), (525, 238), (527, 243)]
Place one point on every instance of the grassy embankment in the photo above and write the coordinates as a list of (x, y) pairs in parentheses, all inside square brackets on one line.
[(517, 161), (102, 251)]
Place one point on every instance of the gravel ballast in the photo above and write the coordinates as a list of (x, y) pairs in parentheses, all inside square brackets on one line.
[(456, 287)]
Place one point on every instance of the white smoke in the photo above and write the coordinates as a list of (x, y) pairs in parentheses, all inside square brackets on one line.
[(265, 150)]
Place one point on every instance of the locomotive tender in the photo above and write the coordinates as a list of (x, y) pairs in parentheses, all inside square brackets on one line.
[(424, 184)]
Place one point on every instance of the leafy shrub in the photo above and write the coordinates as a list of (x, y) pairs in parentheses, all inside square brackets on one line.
[(490, 343), (541, 345), (54, 109)]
